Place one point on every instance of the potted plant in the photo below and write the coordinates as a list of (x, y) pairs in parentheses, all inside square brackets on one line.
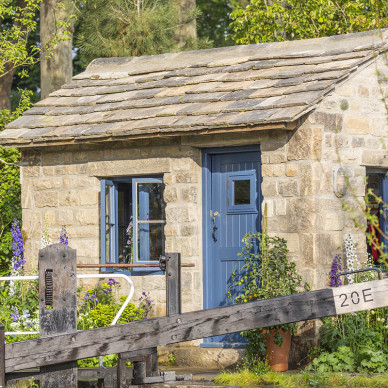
[(267, 273)]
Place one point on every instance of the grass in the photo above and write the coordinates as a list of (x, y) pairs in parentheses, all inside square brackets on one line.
[(303, 379)]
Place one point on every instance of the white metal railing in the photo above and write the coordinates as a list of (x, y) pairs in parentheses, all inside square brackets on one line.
[(80, 276)]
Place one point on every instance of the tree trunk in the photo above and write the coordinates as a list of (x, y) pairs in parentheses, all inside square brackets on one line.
[(5, 87), (58, 68), (187, 30)]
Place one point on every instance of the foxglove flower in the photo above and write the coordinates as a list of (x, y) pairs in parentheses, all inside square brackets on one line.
[(14, 314), (63, 238), (352, 262), (336, 268), (45, 235), (17, 246)]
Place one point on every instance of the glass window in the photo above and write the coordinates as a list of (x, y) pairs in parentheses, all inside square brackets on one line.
[(132, 220), (242, 192)]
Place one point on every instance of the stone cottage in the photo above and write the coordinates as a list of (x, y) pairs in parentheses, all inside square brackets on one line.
[(183, 152)]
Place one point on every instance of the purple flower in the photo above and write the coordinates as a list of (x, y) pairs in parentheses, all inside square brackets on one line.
[(14, 314), (63, 238), (94, 298), (336, 268), (17, 245), (113, 282)]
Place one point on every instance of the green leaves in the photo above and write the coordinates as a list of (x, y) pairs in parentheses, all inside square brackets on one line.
[(303, 19)]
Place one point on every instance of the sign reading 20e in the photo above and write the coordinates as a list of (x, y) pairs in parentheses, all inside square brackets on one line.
[(358, 297)]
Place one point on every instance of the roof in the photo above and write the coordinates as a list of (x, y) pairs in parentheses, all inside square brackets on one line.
[(257, 86)]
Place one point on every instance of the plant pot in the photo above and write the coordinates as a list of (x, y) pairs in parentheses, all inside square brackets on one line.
[(276, 356)]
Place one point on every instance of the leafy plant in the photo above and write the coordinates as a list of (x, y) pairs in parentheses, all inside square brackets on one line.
[(266, 273)]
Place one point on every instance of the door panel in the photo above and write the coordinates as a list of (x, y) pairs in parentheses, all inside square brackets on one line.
[(234, 202)]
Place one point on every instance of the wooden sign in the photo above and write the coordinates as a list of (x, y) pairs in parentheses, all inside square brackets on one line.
[(361, 296)]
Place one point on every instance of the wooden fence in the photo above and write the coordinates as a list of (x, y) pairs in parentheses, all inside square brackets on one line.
[(56, 353)]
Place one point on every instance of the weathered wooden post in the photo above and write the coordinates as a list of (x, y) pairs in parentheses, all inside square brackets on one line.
[(58, 308), (173, 284), (2, 357)]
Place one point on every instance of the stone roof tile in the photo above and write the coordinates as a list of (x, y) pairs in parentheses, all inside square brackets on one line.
[(252, 86)]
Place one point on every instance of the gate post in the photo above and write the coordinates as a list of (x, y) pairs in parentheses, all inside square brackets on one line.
[(173, 284), (58, 308)]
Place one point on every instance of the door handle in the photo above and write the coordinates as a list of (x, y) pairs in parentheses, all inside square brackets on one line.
[(214, 233)]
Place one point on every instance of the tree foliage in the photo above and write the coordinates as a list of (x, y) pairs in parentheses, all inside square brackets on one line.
[(10, 206), (119, 28), (278, 20)]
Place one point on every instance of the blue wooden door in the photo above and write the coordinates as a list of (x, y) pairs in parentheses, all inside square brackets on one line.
[(234, 185)]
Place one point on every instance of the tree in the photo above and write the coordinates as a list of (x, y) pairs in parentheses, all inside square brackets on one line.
[(264, 21), (17, 21), (119, 28), (56, 62), (214, 20)]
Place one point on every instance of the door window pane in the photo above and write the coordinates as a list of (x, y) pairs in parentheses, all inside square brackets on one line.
[(242, 192)]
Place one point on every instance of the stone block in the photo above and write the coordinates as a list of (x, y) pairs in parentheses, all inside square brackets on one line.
[(65, 216), (184, 164), (268, 208), (32, 223), (291, 169), (301, 214), (124, 153), (168, 179), (268, 170), (333, 221), (96, 155), (80, 181), (87, 216), (52, 158), (289, 188), (357, 124), (89, 197), (269, 188), (31, 170), (189, 194), (277, 157), (170, 230), (49, 217), (129, 167), (331, 122), (48, 170), (292, 241), (83, 231), (47, 183), (179, 214), (70, 169), (379, 126), (377, 158), (170, 194), (87, 248), (46, 199), (187, 177), (307, 249), (358, 142), (363, 91), (280, 207), (68, 198), (305, 143), (188, 230), (80, 156)]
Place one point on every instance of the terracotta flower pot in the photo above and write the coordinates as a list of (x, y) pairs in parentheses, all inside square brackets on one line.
[(276, 356)]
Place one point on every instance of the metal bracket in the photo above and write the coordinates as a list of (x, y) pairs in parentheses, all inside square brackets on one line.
[(48, 293), (163, 263), (378, 270)]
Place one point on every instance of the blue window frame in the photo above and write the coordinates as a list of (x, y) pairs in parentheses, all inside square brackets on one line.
[(377, 180), (132, 221)]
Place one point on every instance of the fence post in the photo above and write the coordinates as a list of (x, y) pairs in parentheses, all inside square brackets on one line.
[(2, 357), (58, 308), (173, 284)]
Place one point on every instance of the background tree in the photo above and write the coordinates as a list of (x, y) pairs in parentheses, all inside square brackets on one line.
[(119, 28), (56, 67), (213, 22), (264, 21)]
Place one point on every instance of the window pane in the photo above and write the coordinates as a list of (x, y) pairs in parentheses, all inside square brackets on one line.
[(150, 201), (242, 192), (150, 241)]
